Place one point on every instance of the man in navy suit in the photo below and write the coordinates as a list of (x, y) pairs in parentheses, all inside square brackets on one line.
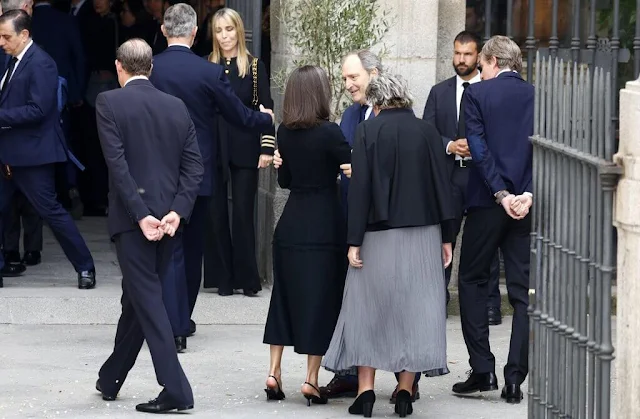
[(155, 168), (442, 110), (31, 139), (207, 93), (499, 121)]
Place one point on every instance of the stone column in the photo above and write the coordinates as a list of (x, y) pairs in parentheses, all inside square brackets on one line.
[(627, 221)]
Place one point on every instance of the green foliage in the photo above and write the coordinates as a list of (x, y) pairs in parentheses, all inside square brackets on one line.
[(323, 31)]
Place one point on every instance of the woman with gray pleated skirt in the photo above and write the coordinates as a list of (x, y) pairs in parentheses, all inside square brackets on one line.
[(400, 227)]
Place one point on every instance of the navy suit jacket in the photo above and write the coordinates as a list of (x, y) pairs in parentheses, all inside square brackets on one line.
[(499, 121), (206, 91), (348, 124), (440, 111), (30, 131), (150, 147), (58, 34)]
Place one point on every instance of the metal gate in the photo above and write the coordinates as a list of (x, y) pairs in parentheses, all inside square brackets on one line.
[(573, 251), (251, 13)]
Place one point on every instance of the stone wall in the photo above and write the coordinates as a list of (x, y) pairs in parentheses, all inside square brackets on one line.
[(628, 266), (420, 48)]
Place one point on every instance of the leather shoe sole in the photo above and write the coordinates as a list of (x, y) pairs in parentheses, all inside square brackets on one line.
[(160, 408)]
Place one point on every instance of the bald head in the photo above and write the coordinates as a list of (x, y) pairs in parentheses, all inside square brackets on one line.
[(133, 58)]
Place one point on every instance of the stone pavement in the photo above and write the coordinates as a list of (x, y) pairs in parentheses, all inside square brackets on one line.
[(55, 337), (49, 371)]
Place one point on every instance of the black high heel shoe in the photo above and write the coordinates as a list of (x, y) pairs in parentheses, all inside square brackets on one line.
[(274, 394), (363, 405), (403, 404), (321, 399)]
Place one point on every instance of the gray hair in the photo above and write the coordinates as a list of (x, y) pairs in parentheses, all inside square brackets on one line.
[(389, 91), (135, 56), (506, 52), (180, 20), (8, 5), (369, 60)]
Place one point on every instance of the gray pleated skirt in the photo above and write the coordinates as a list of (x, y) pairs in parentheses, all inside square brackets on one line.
[(393, 315)]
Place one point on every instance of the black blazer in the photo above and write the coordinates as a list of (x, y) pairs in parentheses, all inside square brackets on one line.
[(441, 112), (150, 147), (399, 177)]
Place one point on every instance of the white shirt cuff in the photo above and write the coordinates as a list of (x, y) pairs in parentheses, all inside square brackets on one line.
[(447, 148), (528, 193)]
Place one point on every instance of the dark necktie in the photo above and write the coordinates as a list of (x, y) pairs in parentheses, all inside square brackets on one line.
[(12, 65), (461, 126), (363, 112)]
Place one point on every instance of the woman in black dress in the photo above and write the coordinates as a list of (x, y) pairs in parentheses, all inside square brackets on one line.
[(231, 260), (309, 243)]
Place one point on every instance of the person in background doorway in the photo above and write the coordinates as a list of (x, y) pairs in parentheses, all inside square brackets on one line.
[(230, 262)]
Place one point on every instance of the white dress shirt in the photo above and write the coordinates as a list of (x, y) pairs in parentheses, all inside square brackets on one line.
[(19, 57), (135, 78), (459, 92)]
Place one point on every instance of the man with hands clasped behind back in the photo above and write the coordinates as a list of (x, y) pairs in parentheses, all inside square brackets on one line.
[(155, 170), (499, 121)]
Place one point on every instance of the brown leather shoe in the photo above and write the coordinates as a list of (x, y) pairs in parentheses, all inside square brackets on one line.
[(415, 394), (340, 387)]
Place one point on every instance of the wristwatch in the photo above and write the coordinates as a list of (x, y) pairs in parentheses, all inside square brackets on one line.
[(500, 195)]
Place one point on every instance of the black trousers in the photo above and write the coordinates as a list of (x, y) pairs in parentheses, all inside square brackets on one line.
[(230, 261), (22, 215), (144, 318), (486, 231), (459, 180)]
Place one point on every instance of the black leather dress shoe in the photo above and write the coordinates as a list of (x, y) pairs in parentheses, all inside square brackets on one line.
[(477, 382), (31, 258), (181, 344), (512, 393), (87, 279), (495, 316), (340, 387), (192, 327), (11, 256), (105, 397), (1, 282), (13, 269), (162, 404)]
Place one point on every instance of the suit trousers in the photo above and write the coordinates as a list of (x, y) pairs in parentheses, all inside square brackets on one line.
[(144, 317), (174, 289), (487, 230), (233, 264), (459, 180), (21, 215), (182, 276), (37, 183)]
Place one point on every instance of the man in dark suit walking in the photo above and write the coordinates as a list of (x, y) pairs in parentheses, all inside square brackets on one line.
[(499, 121), (31, 139), (207, 94), (155, 169), (442, 110)]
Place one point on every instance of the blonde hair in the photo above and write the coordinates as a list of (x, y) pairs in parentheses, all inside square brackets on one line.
[(243, 54)]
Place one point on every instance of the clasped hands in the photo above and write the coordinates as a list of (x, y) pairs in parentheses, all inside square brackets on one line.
[(154, 229), (517, 206)]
